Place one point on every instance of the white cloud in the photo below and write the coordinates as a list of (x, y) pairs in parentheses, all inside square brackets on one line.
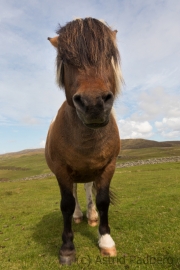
[(169, 127), (173, 123), (149, 43), (157, 107), (42, 143), (132, 129), (151, 105)]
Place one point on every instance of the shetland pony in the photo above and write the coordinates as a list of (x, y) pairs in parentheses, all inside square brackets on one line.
[(83, 140)]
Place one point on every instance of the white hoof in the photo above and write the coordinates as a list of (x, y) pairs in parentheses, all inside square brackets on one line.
[(109, 251), (107, 245)]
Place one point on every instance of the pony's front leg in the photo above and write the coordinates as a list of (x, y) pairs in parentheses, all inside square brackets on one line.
[(67, 251), (106, 243)]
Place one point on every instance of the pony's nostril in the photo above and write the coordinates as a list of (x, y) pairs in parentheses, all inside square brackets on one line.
[(108, 98), (78, 102), (77, 98)]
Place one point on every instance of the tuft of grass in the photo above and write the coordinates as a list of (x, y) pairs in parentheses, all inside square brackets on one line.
[(144, 224)]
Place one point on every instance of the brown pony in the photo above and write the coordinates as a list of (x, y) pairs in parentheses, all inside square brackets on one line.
[(83, 140)]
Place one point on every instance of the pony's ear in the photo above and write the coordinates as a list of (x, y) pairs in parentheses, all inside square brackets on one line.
[(115, 32), (54, 41)]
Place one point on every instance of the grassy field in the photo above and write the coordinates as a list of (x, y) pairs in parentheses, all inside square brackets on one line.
[(13, 167), (149, 152), (145, 224)]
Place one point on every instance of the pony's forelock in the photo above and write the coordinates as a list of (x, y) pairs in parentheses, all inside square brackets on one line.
[(59, 75), (83, 58)]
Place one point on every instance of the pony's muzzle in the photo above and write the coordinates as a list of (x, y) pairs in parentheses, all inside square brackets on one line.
[(93, 111)]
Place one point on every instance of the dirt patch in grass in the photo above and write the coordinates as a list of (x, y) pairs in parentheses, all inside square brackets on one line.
[(4, 179)]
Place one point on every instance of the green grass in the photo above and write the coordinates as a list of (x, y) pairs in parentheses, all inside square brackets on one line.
[(145, 224), (23, 166)]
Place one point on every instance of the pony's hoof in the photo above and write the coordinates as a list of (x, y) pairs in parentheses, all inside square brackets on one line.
[(78, 220), (92, 223), (109, 251), (68, 260)]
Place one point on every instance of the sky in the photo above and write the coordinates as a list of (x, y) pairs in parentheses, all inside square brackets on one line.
[(149, 44)]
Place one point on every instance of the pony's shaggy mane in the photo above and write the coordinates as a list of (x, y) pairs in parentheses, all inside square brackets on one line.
[(87, 43)]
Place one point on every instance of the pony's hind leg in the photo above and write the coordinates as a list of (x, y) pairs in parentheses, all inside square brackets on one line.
[(67, 251), (77, 215), (91, 214), (106, 243)]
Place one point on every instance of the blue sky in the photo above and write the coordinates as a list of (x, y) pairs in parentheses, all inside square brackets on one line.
[(149, 44)]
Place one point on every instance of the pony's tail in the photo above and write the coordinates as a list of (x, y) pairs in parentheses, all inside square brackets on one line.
[(112, 194)]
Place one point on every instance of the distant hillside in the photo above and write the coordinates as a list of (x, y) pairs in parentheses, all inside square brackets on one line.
[(142, 143), (25, 152), (125, 144)]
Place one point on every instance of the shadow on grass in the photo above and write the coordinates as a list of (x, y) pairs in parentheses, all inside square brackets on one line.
[(48, 233)]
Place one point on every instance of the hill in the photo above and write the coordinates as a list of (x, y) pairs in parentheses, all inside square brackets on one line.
[(31, 164), (142, 143), (24, 152), (125, 144)]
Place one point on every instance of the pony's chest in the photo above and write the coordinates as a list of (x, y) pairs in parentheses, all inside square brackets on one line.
[(88, 159)]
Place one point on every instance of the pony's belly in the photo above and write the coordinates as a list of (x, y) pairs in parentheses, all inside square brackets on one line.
[(84, 179), (84, 175)]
